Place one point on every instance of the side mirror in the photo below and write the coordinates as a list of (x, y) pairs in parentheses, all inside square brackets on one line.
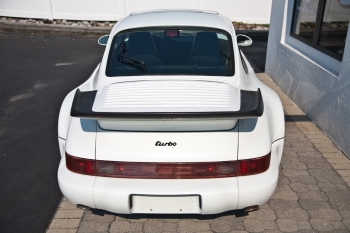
[(242, 40), (103, 40)]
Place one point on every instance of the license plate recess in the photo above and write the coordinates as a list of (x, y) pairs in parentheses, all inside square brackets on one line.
[(174, 204)]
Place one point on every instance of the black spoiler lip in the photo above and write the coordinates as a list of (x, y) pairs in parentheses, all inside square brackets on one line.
[(252, 106)]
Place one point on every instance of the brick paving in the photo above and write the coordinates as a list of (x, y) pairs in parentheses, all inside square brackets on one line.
[(313, 193)]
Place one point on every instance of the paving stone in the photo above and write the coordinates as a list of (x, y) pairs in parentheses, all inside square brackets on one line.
[(238, 231), (292, 138), (291, 225), (143, 217), (341, 166), (256, 225), (321, 225), (328, 214), (333, 155), (328, 187), (157, 217), (340, 231), (301, 166), (65, 223), (62, 213), (303, 179), (314, 195), (299, 187), (344, 173), (302, 143), (282, 180), (321, 139), (307, 231), (339, 160), (346, 222), (89, 216), (346, 179), (294, 172), (323, 166), (65, 204), (311, 160), (262, 214), (285, 195), (125, 226), (91, 226), (290, 154), (308, 204), (192, 226), (303, 149), (309, 154), (345, 214), (326, 176), (264, 206), (323, 145), (280, 188), (61, 231), (283, 204), (328, 150), (340, 200), (296, 214), (159, 226), (338, 225), (218, 225), (289, 160)]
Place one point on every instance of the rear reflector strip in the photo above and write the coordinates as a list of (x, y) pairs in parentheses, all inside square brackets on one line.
[(168, 170)]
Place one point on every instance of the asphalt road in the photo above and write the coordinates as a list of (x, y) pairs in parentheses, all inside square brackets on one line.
[(36, 74)]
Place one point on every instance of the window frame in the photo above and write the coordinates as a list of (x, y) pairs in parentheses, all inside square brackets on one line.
[(318, 26)]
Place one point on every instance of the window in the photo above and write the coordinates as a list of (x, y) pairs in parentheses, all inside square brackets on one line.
[(322, 24), (174, 51)]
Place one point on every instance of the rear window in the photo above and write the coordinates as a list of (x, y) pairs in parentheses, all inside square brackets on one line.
[(177, 51)]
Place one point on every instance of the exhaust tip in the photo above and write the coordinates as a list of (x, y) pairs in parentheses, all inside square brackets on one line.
[(83, 207), (251, 208)]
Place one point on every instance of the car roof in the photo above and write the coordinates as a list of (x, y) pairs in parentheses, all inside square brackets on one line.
[(159, 18)]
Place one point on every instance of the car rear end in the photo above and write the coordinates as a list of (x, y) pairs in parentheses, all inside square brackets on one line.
[(169, 130)]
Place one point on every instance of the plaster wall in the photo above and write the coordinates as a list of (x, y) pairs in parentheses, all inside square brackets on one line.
[(319, 85), (248, 11)]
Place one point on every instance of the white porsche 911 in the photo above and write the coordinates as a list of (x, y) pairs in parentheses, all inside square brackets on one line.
[(173, 120)]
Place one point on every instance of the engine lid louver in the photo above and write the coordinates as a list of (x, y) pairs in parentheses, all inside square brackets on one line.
[(168, 96)]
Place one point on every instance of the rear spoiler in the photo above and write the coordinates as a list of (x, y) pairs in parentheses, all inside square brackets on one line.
[(252, 106)]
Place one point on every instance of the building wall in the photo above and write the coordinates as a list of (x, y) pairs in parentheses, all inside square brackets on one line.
[(318, 84), (248, 11)]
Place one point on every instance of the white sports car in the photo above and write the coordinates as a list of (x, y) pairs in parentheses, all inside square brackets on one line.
[(173, 120)]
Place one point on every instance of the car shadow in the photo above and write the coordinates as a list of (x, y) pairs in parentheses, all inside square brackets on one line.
[(235, 213)]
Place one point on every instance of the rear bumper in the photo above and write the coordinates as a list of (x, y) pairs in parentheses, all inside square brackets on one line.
[(217, 195)]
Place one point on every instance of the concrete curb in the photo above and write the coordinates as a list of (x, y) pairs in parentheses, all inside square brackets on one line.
[(65, 30)]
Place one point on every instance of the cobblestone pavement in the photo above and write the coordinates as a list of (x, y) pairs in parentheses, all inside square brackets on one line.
[(313, 194)]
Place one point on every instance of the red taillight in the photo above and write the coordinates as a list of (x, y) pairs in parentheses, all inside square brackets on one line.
[(80, 165), (254, 166), (168, 170), (165, 170)]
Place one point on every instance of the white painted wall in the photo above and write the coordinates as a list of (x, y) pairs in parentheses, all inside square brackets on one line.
[(248, 11)]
